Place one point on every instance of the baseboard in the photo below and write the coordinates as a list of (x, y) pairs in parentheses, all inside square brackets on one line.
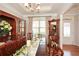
[(76, 44), (71, 44)]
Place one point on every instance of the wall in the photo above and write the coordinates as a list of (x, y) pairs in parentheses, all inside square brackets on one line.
[(76, 17), (74, 38), (77, 41), (71, 39)]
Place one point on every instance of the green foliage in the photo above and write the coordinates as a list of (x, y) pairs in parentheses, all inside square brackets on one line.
[(5, 28)]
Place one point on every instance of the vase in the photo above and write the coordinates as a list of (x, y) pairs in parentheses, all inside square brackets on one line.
[(4, 35)]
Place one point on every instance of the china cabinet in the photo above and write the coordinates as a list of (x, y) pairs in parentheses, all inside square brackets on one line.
[(54, 31), (53, 46)]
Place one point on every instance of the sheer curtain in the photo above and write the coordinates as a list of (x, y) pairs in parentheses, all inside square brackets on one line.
[(39, 26)]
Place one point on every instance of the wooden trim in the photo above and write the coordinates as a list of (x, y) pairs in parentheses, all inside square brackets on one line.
[(12, 19), (8, 15)]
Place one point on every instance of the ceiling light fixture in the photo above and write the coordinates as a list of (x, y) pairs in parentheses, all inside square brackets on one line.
[(33, 7)]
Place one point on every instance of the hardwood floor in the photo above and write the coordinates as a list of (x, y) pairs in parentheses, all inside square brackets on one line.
[(42, 48), (71, 50), (41, 51)]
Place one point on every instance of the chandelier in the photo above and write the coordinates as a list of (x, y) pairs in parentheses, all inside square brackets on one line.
[(33, 7)]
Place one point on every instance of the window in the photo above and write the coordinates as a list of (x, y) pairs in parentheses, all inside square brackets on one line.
[(42, 27), (36, 24), (39, 26), (42, 24), (35, 30), (67, 29), (42, 30)]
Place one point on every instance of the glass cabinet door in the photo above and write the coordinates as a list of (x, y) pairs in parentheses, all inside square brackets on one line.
[(22, 27), (53, 28)]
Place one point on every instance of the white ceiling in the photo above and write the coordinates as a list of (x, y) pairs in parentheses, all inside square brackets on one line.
[(73, 10), (45, 8)]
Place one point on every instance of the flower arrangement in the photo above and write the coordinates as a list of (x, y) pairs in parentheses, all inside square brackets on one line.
[(5, 28)]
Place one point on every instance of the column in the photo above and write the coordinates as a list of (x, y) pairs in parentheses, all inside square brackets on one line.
[(61, 30)]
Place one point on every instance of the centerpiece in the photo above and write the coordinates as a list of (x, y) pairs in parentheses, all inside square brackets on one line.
[(5, 28)]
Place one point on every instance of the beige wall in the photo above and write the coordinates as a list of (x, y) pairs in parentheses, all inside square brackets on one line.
[(74, 38), (71, 39), (77, 30)]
